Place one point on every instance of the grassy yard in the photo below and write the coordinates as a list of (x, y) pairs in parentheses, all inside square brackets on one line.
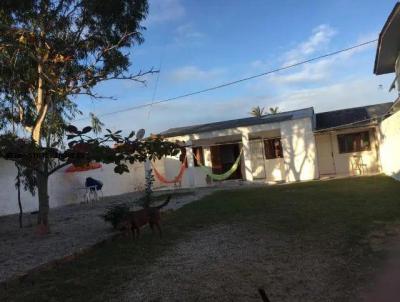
[(331, 219)]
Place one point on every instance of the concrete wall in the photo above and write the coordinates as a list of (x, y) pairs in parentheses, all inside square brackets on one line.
[(63, 187), (299, 150), (275, 170), (343, 164), (390, 145)]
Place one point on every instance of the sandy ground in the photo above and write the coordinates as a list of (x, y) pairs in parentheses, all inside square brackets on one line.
[(73, 228), (230, 263)]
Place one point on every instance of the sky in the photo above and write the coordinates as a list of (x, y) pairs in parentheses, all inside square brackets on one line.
[(199, 44)]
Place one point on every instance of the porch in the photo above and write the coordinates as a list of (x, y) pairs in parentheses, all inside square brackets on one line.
[(348, 152)]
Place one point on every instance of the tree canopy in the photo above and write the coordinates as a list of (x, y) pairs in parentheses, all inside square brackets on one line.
[(52, 51)]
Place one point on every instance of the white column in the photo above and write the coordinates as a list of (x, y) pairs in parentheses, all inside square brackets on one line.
[(190, 161), (247, 157)]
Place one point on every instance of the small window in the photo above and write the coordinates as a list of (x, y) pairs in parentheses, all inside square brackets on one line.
[(354, 142), (198, 154), (273, 148)]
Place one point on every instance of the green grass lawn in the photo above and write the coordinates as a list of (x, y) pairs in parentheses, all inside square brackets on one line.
[(340, 212)]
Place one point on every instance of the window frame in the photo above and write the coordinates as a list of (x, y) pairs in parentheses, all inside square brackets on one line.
[(358, 139), (277, 150), (201, 152)]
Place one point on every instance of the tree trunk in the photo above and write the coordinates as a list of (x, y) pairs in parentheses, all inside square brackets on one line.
[(19, 199), (41, 108), (43, 220)]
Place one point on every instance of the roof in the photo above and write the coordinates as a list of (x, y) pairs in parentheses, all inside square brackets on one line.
[(243, 122), (389, 43), (352, 116)]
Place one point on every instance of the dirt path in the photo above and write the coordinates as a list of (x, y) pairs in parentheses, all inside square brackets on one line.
[(73, 228), (229, 263)]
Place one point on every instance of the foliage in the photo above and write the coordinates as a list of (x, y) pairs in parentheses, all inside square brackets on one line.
[(257, 111), (97, 125), (50, 52), (115, 213), (273, 110)]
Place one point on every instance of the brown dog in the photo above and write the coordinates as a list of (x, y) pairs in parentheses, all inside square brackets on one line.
[(134, 220)]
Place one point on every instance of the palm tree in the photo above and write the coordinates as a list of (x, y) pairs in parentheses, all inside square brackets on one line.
[(257, 111), (273, 110)]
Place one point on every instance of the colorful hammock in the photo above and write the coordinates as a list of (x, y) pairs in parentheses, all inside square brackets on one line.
[(222, 176), (90, 166), (176, 179)]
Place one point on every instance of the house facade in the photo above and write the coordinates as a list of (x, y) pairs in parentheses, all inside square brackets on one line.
[(286, 147), (298, 145)]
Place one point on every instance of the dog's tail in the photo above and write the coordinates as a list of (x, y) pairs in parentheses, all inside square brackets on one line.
[(165, 203)]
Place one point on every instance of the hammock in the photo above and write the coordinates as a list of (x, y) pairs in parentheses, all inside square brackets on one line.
[(90, 166), (222, 176), (176, 179)]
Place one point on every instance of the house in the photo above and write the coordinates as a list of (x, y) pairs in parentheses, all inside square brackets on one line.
[(387, 60), (289, 146), (300, 145)]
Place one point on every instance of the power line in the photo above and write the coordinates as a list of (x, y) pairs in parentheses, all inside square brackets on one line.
[(236, 81)]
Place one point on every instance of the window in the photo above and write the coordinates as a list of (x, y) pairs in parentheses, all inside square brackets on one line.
[(182, 156), (354, 142), (198, 154), (273, 148)]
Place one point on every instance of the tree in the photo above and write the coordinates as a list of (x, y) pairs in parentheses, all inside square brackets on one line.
[(97, 125), (273, 110), (257, 111), (50, 52), (82, 149)]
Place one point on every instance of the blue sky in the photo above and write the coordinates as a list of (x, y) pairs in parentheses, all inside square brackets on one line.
[(198, 44)]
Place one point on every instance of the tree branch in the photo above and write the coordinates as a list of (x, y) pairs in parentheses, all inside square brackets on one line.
[(58, 168)]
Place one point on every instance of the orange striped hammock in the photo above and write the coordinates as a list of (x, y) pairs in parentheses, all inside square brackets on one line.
[(176, 179)]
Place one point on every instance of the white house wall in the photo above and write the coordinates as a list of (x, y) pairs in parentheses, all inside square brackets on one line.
[(299, 150), (298, 145), (63, 187), (343, 161), (390, 145)]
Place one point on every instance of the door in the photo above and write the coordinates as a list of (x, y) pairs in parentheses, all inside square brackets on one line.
[(257, 159), (216, 160), (223, 157), (326, 161)]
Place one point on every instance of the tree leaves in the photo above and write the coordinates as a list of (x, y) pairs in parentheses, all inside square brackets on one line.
[(87, 129), (72, 129)]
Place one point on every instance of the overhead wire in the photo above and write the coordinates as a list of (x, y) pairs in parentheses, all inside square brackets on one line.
[(236, 81)]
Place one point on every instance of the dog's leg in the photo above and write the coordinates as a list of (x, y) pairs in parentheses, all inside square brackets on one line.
[(158, 228), (133, 232), (152, 226)]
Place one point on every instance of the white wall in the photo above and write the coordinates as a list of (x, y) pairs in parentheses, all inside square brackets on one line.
[(299, 150), (390, 145), (63, 186), (344, 162), (172, 166), (370, 158), (298, 143)]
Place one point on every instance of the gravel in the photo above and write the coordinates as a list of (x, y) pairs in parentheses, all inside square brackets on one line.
[(230, 263), (73, 228)]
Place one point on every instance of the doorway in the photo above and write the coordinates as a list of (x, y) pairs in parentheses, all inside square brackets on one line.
[(223, 157), (326, 161)]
